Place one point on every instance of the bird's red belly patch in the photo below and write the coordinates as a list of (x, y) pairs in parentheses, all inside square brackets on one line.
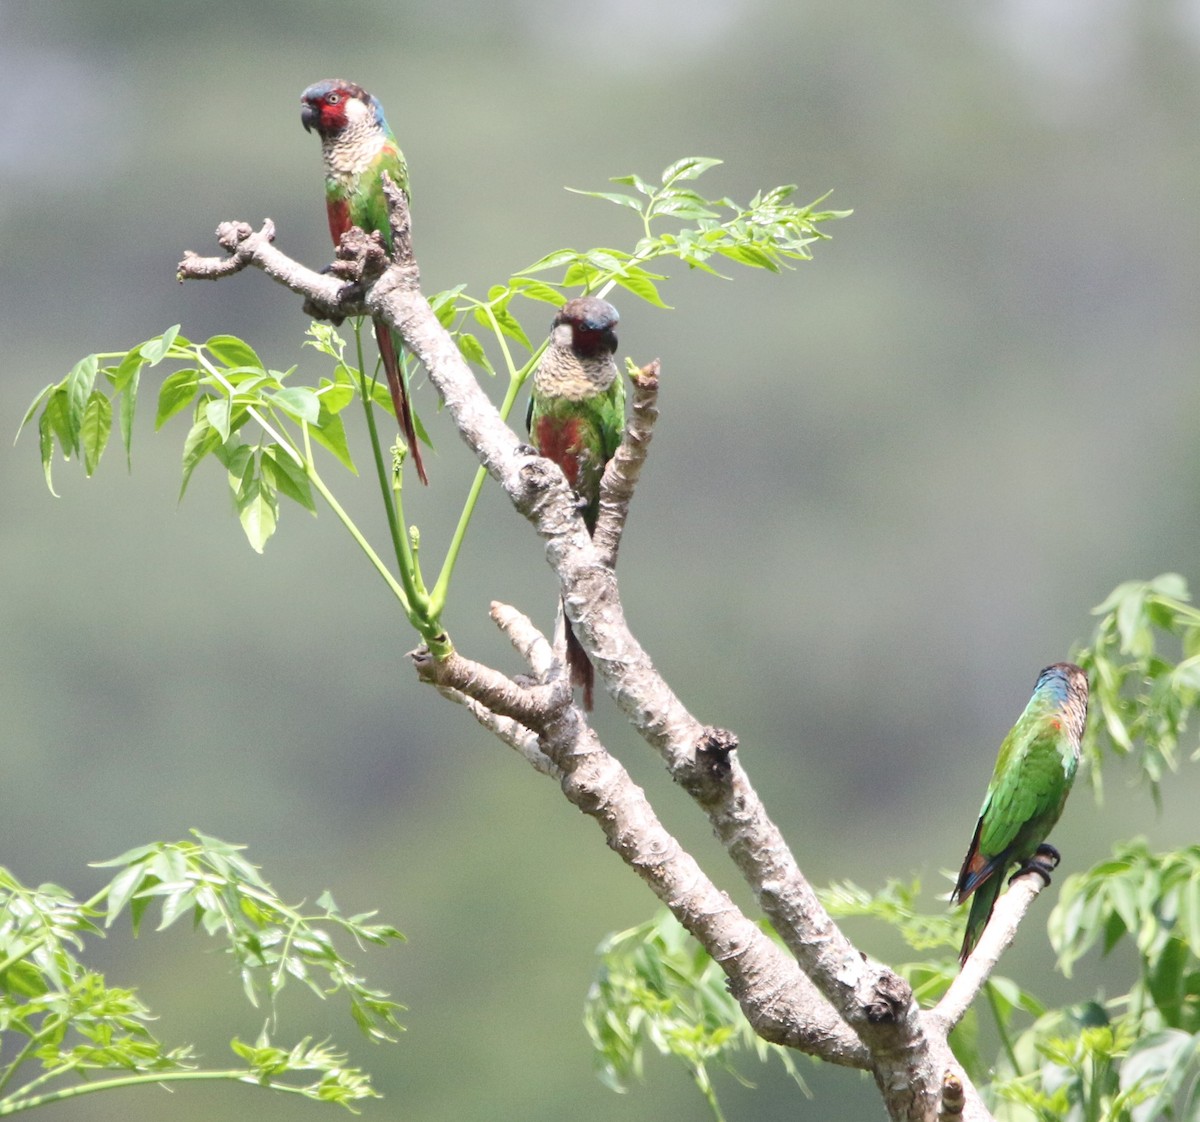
[(339, 218), (559, 441)]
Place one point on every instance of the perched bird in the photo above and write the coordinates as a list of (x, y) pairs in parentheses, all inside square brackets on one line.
[(358, 147), (1029, 787), (577, 419)]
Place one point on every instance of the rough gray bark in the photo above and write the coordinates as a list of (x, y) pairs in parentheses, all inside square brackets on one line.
[(822, 996)]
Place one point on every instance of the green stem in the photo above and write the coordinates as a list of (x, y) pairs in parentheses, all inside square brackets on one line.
[(34, 1040), (398, 591), (416, 603), (1005, 1039), (13, 1106), (437, 597)]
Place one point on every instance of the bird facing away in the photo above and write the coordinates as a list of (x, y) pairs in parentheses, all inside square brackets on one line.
[(1034, 773), (358, 147), (577, 419)]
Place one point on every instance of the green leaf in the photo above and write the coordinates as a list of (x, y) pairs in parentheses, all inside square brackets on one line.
[(219, 413), (749, 255), (537, 290), (472, 350), (258, 511), (79, 385), (690, 167), (300, 402), (155, 350), (176, 393), (125, 417), (337, 394), (445, 304), (632, 180), (33, 407), (56, 417), (287, 476), (612, 197), (46, 447), (201, 441), (683, 207), (231, 351), (95, 429), (330, 433), (551, 261), (640, 284)]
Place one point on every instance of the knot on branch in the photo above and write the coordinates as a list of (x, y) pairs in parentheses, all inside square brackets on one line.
[(953, 1097), (230, 235), (645, 381), (361, 258), (891, 996), (713, 749), (538, 481)]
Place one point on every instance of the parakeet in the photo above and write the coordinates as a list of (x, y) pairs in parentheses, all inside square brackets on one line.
[(1029, 787), (358, 147), (577, 419)]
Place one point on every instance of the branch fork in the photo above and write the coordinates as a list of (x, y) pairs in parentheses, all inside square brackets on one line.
[(817, 993)]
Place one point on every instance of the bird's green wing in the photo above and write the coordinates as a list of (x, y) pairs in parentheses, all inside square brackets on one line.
[(368, 207), (1028, 787), (611, 416)]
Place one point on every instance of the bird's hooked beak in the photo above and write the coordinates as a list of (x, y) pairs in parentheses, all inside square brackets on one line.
[(309, 115)]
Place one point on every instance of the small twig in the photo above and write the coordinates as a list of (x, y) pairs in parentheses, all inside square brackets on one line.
[(249, 247), (510, 732), (526, 639), (532, 706), (621, 475)]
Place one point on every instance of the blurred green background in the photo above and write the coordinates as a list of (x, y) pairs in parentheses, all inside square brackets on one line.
[(885, 489)]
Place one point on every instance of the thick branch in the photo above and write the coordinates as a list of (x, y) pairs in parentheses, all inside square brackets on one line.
[(779, 1001), (875, 1002)]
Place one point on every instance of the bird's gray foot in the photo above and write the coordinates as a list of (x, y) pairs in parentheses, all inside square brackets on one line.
[(526, 450), (1043, 862), (1048, 854)]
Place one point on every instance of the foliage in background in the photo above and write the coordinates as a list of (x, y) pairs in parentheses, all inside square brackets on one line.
[(261, 426), (1131, 1056), (65, 1032), (228, 390), (655, 987)]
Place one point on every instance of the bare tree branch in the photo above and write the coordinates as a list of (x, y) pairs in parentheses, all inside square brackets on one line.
[(907, 1060), (779, 1001)]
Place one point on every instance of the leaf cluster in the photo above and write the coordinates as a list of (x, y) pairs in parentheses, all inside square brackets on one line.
[(657, 988), (61, 1022), (1143, 665), (769, 232)]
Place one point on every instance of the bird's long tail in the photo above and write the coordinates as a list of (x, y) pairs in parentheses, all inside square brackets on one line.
[(400, 401), (582, 672), (982, 903)]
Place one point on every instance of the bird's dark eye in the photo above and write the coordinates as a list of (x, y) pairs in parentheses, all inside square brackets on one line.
[(332, 99)]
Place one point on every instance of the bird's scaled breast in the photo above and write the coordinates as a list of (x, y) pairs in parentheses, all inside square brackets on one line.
[(348, 156), (572, 379)]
